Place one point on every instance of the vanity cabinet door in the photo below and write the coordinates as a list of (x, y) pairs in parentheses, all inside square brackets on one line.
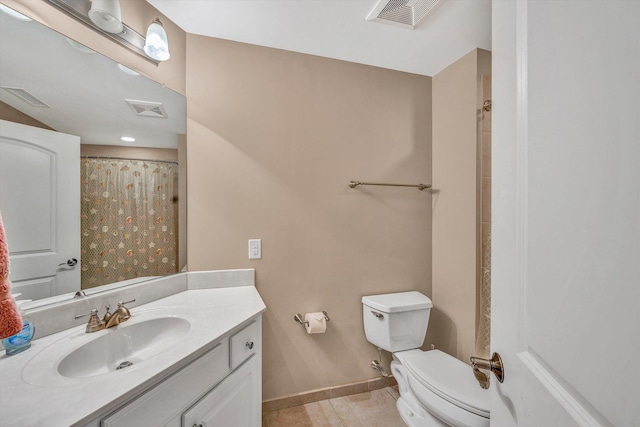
[(234, 402), (171, 397)]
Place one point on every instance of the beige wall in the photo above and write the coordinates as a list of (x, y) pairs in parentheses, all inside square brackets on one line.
[(274, 138), (137, 14), (457, 101)]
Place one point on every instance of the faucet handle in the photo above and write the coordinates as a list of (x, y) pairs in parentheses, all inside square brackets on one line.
[(93, 312), (107, 315), (125, 309), (94, 324)]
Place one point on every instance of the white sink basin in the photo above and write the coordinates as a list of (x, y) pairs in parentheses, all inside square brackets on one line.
[(82, 356), (123, 346)]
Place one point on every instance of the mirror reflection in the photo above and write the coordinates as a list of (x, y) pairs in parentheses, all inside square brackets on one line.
[(88, 166)]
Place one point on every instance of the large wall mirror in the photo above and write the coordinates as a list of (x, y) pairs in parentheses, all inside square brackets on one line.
[(66, 174)]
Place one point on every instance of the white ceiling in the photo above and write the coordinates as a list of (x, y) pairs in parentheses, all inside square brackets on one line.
[(338, 29)]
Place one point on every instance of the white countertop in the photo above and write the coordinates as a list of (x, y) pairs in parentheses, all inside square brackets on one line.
[(26, 401)]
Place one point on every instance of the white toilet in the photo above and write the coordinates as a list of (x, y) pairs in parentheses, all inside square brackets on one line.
[(436, 389)]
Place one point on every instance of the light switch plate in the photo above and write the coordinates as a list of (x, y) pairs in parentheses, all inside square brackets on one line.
[(255, 248)]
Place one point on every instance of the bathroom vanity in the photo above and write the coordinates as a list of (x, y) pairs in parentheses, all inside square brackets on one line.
[(183, 360)]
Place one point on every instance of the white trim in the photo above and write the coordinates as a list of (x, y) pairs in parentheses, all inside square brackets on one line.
[(522, 166)]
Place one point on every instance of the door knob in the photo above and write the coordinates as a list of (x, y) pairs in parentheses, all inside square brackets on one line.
[(71, 262), (494, 365)]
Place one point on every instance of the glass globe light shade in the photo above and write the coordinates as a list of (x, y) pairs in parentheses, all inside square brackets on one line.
[(156, 45), (106, 15)]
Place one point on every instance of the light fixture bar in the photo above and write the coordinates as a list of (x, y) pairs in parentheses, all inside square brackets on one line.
[(79, 9)]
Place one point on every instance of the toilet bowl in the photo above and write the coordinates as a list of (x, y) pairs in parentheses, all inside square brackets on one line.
[(436, 389)]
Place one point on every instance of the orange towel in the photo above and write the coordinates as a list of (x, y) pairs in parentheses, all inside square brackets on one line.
[(10, 320)]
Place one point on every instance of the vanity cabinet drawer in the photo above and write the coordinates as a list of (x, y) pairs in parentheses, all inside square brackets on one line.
[(244, 344), (178, 392)]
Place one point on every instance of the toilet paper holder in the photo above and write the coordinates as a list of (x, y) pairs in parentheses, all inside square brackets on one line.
[(298, 318)]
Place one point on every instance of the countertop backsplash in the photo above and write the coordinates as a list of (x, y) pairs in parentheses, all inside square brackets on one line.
[(58, 317)]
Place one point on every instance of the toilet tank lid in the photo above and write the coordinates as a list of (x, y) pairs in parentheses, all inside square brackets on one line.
[(398, 302)]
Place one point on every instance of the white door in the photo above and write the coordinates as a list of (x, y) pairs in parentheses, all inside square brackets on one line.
[(40, 204), (566, 212)]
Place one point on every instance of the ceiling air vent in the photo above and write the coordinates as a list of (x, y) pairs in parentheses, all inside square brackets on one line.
[(147, 108), (25, 96), (402, 13)]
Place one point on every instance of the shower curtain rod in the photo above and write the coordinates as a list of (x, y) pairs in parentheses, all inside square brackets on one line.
[(126, 158), (354, 184)]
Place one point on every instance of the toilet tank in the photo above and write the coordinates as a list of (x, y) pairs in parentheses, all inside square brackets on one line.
[(396, 322)]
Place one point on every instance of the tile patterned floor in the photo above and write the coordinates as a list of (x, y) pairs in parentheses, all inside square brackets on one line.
[(372, 409)]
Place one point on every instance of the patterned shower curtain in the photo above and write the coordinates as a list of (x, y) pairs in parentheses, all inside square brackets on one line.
[(128, 219)]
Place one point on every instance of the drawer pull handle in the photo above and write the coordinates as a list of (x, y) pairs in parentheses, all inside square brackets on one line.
[(198, 425), (249, 345)]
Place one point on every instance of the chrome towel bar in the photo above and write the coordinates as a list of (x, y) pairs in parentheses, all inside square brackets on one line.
[(354, 184)]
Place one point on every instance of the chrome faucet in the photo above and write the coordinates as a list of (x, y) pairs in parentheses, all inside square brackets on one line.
[(109, 320)]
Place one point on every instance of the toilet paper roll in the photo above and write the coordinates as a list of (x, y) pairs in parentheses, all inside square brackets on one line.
[(317, 323)]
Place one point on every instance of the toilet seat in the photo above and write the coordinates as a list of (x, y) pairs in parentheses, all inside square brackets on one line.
[(446, 377)]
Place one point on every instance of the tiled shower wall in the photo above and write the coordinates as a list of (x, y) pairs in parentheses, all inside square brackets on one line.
[(484, 324)]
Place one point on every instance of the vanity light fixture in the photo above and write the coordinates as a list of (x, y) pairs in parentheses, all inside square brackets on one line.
[(12, 13), (102, 11), (128, 139), (156, 45), (106, 15)]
